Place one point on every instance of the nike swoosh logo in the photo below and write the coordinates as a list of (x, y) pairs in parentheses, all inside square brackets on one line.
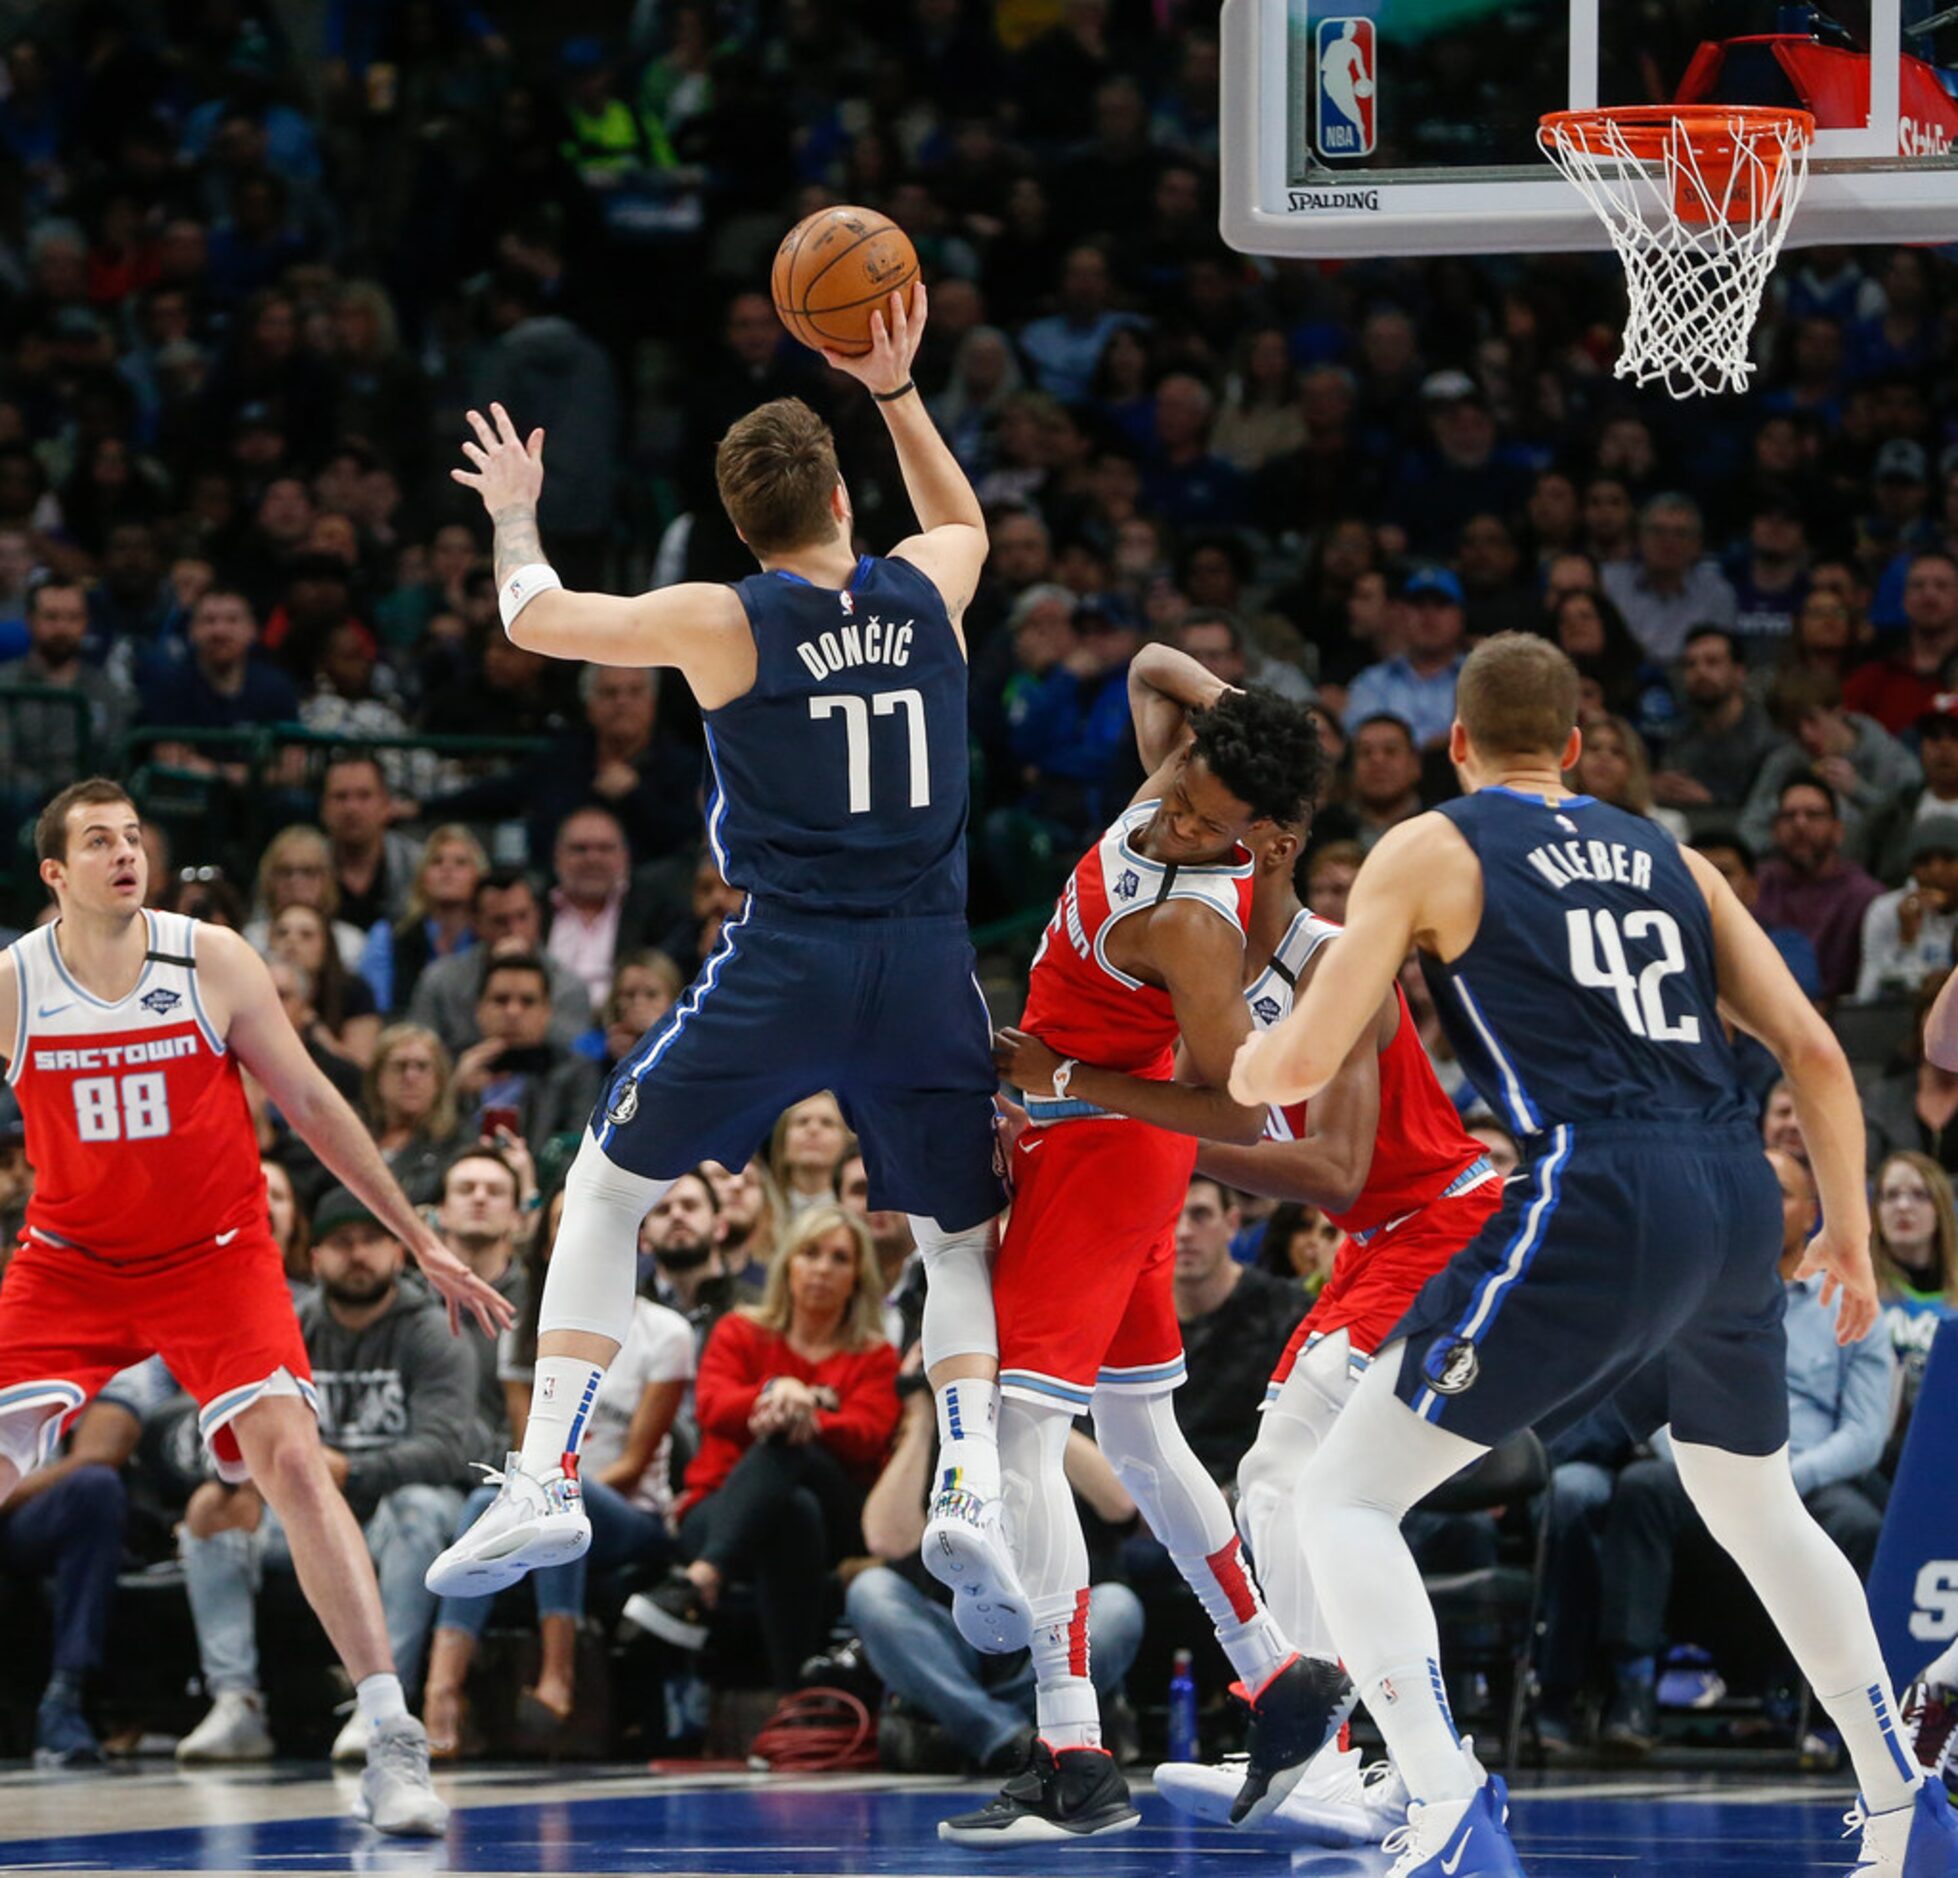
[(1450, 1866), (55, 1010), (1027, 1146), (225, 1238)]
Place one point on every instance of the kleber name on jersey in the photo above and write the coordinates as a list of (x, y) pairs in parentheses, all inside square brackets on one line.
[(117, 1055)]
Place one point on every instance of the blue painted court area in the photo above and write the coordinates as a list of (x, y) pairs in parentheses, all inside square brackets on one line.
[(586, 1821)]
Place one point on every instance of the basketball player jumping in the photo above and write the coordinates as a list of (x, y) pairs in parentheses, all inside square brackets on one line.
[(1583, 964), (833, 687), (1383, 1151), (147, 1231), (1146, 942)]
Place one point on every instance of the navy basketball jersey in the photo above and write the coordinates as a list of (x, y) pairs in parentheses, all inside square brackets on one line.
[(840, 779), (1589, 993)]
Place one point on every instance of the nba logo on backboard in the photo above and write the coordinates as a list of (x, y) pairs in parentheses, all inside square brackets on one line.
[(1345, 117)]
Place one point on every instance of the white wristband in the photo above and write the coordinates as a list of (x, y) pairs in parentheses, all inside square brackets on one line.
[(1063, 1076), (533, 578)]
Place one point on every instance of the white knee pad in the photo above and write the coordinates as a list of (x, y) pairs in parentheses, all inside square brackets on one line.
[(1044, 1527), (1145, 1446), (1291, 1431), (593, 1275), (958, 1318)]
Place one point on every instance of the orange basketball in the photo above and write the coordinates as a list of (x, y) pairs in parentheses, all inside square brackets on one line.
[(834, 269)]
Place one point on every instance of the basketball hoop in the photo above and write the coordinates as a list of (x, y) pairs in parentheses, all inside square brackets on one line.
[(1696, 199)]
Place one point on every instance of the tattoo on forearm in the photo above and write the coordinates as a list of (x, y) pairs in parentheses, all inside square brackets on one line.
[(517, 542)]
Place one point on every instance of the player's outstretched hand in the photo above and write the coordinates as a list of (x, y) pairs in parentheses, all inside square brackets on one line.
[(894, 339), (1844, 1263), (509, 470), (461, 1290)]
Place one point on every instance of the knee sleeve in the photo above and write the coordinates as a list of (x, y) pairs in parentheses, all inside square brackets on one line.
[(593, 1275), (958, 1317), (1183, 1505), (1045, 1529), (1290, 1432)]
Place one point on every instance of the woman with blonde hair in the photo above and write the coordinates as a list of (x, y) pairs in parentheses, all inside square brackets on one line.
[(1914, 1247), (809, 1144), (297, 869), (1614, 768), (797, 1402), (439, 920), (408, 1099), (645, 986)]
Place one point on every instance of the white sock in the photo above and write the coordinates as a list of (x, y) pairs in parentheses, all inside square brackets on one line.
[(1945, 1668), (380, 1699), (1409, 1705), (1252, 1640), (1065, 1708), (560, 1411), (968, 1436)]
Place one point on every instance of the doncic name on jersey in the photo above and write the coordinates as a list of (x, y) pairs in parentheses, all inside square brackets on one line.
[(876, 641)]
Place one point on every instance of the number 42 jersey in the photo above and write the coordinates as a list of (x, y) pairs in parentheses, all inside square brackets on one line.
[(1589, 993), (137, 1127)]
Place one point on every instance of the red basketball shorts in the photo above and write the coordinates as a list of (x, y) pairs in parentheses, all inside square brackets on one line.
[(1373, 1284), (1082, 1284), (220, 1317)]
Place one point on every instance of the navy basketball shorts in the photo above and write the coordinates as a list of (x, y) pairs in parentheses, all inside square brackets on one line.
[(885, 1013), (1619, 1248)]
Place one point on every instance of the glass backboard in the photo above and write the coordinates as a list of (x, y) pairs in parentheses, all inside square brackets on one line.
[(1357, 127)]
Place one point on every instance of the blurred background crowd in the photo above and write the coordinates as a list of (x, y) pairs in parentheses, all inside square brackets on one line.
[(255, 261)]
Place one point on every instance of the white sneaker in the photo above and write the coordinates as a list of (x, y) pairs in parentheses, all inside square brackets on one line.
[(396, 1794), (234, 1730), (351, 1743), (534, 1521), (965, 1549), (1337, 1802)]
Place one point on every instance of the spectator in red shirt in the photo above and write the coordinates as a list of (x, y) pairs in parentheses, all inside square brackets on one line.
[(1807, 884), (797, 1402), (1896, 691)]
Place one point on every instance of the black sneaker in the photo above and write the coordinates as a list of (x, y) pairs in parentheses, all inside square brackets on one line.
[(1630, 1729), (1076, 1794), (673, 1611), (1293, 1716), (1013, 1756)]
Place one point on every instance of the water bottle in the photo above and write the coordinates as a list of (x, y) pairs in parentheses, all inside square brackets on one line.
[(1182, 1709)]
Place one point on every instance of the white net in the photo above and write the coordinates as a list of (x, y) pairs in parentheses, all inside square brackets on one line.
[(1696, 202)]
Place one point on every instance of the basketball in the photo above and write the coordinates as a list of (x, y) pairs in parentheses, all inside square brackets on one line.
[(835, 269)]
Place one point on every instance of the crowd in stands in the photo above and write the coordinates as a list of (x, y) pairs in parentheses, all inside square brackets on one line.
[(247, 288)]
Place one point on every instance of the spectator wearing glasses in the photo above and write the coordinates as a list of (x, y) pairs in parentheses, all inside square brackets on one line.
[(1807, 884), (296, 869), (1673, 585), (408, 1099)]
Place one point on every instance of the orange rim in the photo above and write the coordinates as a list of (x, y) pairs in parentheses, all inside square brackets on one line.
[(1713, 129)]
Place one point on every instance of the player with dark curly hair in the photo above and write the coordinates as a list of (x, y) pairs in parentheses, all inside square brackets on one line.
[(1146, 945)]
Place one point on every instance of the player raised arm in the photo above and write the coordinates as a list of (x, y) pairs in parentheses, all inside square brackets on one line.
[(1165, 686), (246, 1010), (1759, 993), (697, 626), (1420, 864), (951, 549), (1940, 1026)]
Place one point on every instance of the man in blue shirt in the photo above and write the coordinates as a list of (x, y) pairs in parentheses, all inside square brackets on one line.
[(1840, 1402), (1418, 687), (221, 686), (1065, 347)]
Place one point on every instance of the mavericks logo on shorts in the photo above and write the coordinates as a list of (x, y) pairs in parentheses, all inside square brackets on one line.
[(1452, 1369), (625, 1105)]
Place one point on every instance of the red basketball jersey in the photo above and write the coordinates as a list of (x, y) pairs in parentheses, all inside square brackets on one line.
[(1078, 1001), (137, 1128), (1421, 1145)]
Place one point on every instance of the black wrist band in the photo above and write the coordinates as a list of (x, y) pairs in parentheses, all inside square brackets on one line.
[(891, 397)]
